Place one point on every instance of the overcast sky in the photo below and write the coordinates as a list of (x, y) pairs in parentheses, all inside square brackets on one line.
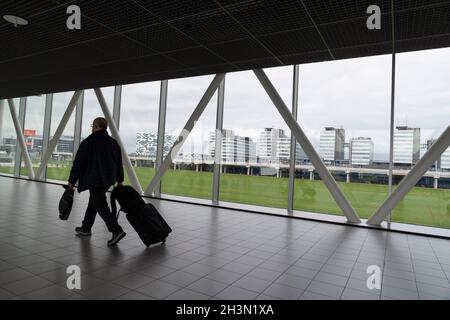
[(353, 94)]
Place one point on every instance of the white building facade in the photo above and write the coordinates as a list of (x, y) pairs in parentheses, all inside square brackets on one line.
[(235, 149), (268, 144), (147, 143), (406, 145), (361, 151), (332, 144), (445, 159), (284, 150)]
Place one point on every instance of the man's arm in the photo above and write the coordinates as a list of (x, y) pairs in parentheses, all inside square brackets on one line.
[(120, 175), (78, 165)]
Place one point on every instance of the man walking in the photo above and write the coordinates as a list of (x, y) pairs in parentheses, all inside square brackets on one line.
[(97, 166)]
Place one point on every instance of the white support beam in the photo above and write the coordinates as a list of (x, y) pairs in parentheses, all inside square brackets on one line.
[(1, 119), (410, 180), (117, 105), (47, 128), (161, 130), (59, 131), (21, 138), (78, 124), (320, 167), (218, 143), (18, 152), (185, 132), (391, 132), (115, 133), (293, 151)]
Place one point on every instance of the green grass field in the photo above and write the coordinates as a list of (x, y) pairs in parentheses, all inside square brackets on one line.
[(423, 206)]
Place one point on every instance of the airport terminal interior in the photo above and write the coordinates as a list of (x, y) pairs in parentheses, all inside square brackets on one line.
[(212, 253), (298, 149)]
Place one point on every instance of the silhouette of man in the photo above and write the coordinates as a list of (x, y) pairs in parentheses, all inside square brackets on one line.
[(97, 166)]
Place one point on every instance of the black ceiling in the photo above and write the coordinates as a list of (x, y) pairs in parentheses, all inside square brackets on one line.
[(127, 41)]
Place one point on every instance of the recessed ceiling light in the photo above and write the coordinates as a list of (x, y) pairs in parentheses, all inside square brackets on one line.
[(16, 21)]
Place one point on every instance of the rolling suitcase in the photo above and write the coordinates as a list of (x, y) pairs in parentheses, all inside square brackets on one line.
[(143, 217)]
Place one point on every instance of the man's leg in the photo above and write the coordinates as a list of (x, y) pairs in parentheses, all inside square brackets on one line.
[(89, 216), (101, 206)]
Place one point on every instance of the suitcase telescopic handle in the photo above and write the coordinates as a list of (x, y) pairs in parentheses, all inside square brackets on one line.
[(113, 204)]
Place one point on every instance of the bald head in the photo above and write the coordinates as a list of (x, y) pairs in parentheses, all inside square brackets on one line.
[(99, 124)]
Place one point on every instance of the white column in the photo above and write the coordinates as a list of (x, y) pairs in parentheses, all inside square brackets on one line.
[(161, 131), (47, 127), (436, 182), (2, 103), (218, 143), (78, 123), (21, 139), (18, 151), (292, 160)]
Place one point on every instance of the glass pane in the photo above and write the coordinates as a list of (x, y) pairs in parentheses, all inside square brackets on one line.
[(33, 131), (344, 109), (60, 162), (139, 127), (191, 173), (256, 140), (421, 115), (7, 137)]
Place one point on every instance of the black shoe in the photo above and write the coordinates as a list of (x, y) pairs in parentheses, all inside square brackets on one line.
[(82, 232), (117, 236)]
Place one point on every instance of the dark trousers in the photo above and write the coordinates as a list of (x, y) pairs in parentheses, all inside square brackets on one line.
[(98, 203)]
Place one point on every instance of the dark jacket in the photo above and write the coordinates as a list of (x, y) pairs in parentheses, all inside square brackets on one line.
[(98, 162)]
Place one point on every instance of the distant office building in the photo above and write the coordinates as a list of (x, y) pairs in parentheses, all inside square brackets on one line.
[(212, 144), (227, 145), (406, 145), (332, 144), (65, 144), (239, 149), (147, 144), (8, 147), (361, 151), (9, 144), (268, 144), (169, 141), (445, 159), (284, 150), (234, 147), (423, 149), (347, 150), (250, 150)]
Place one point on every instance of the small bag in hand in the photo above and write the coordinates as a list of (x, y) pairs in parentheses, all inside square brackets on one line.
[(66, 202)]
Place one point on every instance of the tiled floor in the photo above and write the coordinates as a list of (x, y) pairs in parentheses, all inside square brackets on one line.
[(211, 254)]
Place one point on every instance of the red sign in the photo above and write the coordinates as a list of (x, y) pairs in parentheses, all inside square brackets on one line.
[(29, 133)]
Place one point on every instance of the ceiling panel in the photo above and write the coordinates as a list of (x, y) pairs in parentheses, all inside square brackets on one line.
[(122, 41)]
